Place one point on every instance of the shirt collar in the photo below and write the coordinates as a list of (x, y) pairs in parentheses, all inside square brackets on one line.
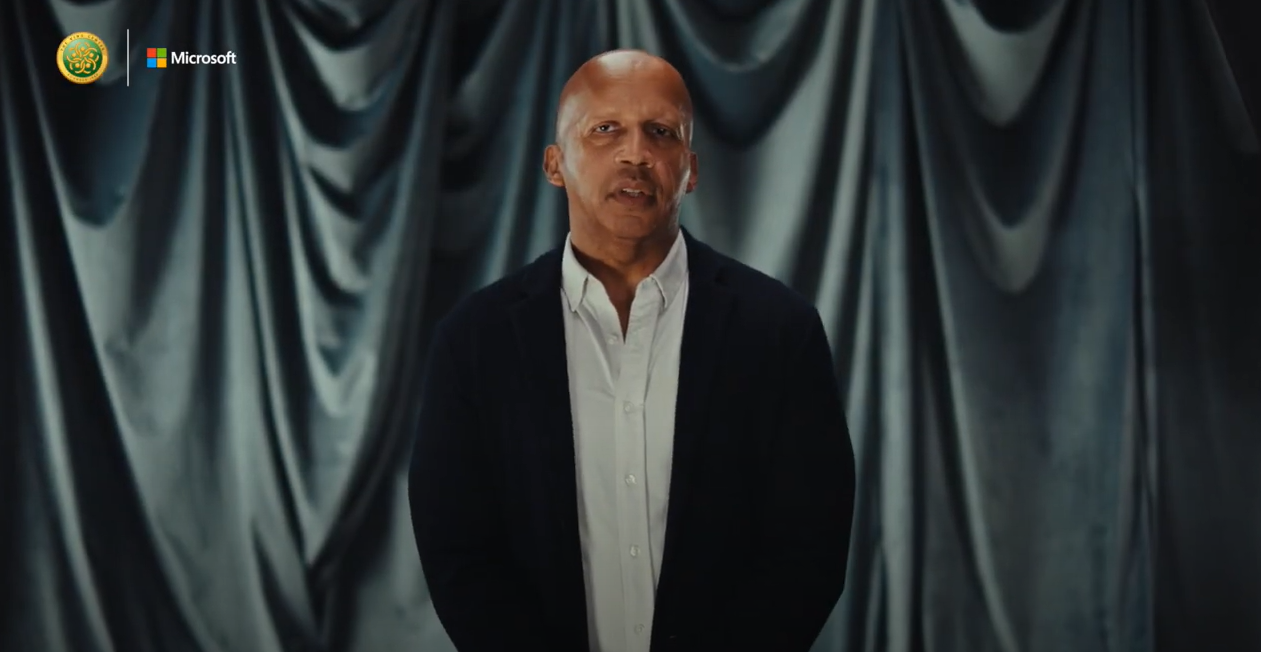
[(667, 278)]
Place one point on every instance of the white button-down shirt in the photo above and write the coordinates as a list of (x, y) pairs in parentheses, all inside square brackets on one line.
[(622, 392)]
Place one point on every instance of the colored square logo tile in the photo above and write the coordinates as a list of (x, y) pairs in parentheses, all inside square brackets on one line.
[(151, 53), (161, 63), (153, 63)]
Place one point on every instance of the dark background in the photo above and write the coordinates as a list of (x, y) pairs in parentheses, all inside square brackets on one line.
[(1032, 229)]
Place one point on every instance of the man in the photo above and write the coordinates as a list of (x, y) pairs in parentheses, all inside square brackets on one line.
[(635, 443)]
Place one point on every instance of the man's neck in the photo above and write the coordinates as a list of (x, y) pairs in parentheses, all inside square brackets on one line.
[(620, 265), (622, 261)]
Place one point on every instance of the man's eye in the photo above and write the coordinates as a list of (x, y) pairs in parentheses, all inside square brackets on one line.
[(604, 129), (662, 131)]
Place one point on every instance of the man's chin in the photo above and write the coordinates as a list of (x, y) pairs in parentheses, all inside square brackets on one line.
[(627, 225)]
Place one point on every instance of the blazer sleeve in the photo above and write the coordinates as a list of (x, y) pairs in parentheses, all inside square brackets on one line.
[(808, 505), (482, 603)]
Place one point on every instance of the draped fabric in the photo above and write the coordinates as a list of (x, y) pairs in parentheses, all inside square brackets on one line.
[(1031, 229)]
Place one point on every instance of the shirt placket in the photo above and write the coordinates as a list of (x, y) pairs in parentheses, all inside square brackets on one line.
[(630, 435)]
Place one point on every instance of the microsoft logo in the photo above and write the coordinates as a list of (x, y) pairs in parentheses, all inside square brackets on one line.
[(156, 57)]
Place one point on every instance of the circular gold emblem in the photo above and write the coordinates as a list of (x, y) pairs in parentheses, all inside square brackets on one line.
[(82, 58)]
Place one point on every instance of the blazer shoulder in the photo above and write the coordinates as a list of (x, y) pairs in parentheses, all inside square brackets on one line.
[(491, 304), (775, 318), (767, 294)]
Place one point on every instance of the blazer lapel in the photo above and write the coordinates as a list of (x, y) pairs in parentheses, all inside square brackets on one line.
[(540, 338), (708, 307)]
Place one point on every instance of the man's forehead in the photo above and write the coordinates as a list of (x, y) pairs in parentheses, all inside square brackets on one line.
[(627, 85), (594, 104)]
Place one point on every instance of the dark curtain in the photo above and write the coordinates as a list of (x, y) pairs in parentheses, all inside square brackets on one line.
[(1032, 229)]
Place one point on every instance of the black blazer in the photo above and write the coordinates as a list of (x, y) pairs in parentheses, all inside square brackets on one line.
[(761, 493)]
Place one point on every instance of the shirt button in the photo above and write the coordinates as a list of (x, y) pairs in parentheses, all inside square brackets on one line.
[(634, 551), (630, 479), (628, 407), (613, 339), (639, 629)]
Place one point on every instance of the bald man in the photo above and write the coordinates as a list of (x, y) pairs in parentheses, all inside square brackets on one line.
[(634, 444)]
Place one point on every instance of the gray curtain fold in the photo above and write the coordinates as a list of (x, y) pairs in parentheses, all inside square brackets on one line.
[(1201, 234), (1030, 218), (1022, 223)]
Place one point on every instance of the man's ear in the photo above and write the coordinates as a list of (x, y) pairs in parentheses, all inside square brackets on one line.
[(691, 177), (552, 157)]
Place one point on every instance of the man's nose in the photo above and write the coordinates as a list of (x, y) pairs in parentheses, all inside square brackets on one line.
[(635, 150)]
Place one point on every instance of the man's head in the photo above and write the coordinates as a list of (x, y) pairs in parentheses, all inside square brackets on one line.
[(623, 147)]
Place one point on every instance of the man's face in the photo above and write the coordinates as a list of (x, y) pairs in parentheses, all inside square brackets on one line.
[(624, 156)]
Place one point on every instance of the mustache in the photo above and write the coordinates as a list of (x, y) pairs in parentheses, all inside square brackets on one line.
[(634, 176)]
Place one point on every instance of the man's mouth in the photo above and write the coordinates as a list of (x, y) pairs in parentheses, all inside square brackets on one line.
[(633, 196)]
